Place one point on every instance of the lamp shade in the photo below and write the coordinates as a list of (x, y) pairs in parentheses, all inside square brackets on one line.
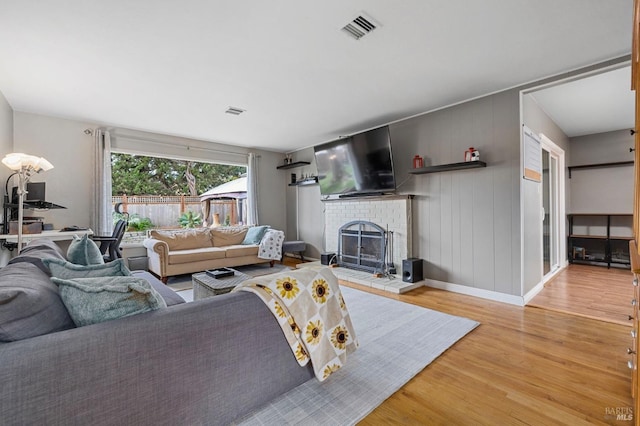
[(19, 160)]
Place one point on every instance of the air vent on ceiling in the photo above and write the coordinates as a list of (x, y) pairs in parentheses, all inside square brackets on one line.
[(359, 27), (234, 110)]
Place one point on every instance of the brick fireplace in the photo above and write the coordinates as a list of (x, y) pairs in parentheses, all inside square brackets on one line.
[(392, 213)]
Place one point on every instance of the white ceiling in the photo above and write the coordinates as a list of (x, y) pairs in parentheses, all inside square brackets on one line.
[(595, 104), (174, 67)]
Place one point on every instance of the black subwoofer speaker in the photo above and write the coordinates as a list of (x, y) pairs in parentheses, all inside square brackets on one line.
[(412, 270), (327, 258)]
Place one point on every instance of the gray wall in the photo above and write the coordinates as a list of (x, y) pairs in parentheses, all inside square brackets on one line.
[(64, 143), (602, 190), (539, 122), (6, 137), (466, 224), (6, 146)]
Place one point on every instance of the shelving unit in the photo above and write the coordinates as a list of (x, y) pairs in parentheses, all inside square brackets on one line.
[(598, 244), (293, 165), (449, 167)]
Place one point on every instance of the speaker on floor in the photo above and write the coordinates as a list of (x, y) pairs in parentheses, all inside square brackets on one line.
[(412, 270), (327, 258)]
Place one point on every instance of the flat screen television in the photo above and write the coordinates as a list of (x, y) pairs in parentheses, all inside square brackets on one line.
[(358, 164)]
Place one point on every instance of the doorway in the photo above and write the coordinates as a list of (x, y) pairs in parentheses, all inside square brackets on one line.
[(553, 211)]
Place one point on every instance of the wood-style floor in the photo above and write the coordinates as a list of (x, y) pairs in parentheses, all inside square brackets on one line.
[(589, 291), (521, 366)]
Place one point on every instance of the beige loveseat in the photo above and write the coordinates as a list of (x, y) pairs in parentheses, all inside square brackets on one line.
[(175, 252)]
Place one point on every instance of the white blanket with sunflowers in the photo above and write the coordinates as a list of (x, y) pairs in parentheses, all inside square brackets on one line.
[(309, 306)]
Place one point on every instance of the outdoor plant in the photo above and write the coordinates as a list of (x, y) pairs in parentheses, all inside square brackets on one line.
[(136, 223), (190, 220)]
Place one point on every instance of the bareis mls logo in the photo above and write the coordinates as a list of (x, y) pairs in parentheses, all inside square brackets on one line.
[(619, 413)]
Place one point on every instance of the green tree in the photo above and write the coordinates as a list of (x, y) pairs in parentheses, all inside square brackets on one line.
[(142, 175)]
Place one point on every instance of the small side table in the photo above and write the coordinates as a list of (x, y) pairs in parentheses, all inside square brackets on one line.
[(204, 285)]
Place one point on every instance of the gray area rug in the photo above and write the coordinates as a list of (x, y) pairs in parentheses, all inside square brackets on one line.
[(397, 340)]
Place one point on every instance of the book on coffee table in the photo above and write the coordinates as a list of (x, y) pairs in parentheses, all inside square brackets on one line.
[(220, 272)]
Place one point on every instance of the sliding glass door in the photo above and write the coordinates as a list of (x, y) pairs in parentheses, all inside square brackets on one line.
[(552, 207)]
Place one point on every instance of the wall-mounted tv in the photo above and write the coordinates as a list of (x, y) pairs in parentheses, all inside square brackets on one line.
[(358, 164)]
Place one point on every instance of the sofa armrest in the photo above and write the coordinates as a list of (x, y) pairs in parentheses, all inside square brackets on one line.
[(104, 373), (158, 254)]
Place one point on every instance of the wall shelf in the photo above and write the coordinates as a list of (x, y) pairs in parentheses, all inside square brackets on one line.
[(293, 165), (448, 167), (600, 165), (308, 181)]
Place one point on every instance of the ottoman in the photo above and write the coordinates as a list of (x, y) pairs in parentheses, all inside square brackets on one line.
[(294, 247)]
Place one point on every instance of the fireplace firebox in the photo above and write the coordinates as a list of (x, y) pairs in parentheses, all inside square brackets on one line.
[(362, 245)]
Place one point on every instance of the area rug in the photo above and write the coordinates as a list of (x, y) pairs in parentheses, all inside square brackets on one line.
[(397, 341)]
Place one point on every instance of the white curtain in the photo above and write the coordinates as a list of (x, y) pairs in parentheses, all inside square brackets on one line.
[(102, 220), (252, 190)]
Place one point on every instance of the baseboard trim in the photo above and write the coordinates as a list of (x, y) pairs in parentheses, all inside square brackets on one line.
[(476, 292)]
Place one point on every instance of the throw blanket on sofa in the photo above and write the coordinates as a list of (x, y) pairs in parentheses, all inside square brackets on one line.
[(309, 306), (271, 245)]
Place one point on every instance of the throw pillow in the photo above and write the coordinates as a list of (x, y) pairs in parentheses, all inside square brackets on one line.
[(66, 270), (99, 299), (84, 251), (228, 235), (30, 304), (255, 234)]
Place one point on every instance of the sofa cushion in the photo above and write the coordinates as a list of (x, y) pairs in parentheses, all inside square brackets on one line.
[(184, 239), (36, 251), (228, 235), (30, 304), (84, 251), (196, 255), (67, 270), (255, 234), (241, 250), (98, 299), (170, 297)]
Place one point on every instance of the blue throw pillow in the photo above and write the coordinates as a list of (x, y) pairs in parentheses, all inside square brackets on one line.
[(84, 251), (99, 299), (255, 234), (66, 270)]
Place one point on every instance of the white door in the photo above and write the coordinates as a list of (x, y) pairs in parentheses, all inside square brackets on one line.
[(553, 223)]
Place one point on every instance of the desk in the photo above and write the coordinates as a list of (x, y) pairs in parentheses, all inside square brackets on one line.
[(49, 235)]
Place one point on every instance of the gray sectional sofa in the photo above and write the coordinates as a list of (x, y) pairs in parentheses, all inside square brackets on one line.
[(203, 363)]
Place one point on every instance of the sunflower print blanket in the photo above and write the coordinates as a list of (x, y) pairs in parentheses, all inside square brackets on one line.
[(309, 306)]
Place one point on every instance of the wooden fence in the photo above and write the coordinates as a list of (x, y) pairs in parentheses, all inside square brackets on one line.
[(164, 211)]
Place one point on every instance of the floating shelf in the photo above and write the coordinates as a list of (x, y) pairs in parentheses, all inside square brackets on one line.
[(292, 165), (309, 181), (448, 167), (600, 165)]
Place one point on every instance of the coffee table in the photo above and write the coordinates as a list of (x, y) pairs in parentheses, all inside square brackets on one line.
[(205, 285)]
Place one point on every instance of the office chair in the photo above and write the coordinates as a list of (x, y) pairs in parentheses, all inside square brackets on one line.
[(110, 245)]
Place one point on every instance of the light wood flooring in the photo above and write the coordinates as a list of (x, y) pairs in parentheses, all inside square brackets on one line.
[(521, 366), (589, 291)]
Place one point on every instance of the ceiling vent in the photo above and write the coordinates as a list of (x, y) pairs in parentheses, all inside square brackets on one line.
[(235, 111), (359, 27)]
